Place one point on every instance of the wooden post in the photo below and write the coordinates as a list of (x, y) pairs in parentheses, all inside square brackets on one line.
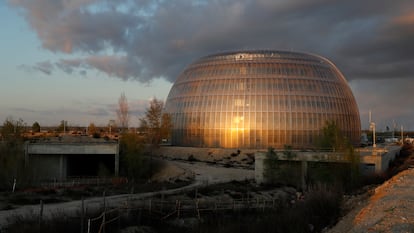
[(139, 216), (104, 213), (198, 210), (104, 200), (127, 206), (104, 222), (119, 219), (14, 185), (176, 205), (82, 215), (178, 211), (89, 225), (40, 214), (150, 206), (264, 204), (162, 200)]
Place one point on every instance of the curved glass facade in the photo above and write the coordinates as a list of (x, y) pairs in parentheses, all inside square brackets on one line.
[(258, 99)]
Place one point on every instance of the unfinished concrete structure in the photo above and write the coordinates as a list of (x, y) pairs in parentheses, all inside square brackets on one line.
[(58, 160), (371, 160)]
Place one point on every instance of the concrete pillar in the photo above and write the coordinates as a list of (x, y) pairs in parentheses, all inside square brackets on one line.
[(117, 161), (26, 154), (61, 168), (259, 167)]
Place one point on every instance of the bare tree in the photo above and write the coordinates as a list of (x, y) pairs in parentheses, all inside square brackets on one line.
[(123, 112)]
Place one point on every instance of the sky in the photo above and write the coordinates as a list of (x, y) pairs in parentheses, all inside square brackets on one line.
[(71, 59)]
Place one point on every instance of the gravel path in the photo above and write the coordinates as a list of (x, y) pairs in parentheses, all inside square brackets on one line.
[(204, 175)]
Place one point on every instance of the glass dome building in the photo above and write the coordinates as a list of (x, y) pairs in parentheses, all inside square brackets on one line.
[(260, 99)]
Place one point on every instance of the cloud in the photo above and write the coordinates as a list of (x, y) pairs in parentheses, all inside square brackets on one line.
[(138, 107), (388, 100), (143, 40), (99, 112), (45, 67)]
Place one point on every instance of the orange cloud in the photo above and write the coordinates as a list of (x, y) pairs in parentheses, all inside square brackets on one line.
[(406, 19)]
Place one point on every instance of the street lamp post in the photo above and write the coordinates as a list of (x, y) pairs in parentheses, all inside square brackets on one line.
[(372, 126)]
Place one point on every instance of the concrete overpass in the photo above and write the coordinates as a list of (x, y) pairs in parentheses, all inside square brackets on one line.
[(372, 160), (58, 160)]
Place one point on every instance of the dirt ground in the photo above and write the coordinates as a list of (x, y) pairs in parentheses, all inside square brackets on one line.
[(389, 209)]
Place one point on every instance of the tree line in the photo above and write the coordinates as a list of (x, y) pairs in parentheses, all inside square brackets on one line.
[(154, 126)]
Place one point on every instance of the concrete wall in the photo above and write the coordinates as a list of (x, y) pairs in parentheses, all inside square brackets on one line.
[(72, 148), (377, 160), (48, 167), (50, 160)]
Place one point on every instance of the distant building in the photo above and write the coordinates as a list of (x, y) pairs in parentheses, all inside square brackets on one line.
[(260, 99)]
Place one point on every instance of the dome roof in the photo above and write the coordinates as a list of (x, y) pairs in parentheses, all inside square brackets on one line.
[(258, 99)]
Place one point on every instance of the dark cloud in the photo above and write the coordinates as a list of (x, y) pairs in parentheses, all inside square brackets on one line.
[(99, 112), (45, 67), (388, 100), (145, 39)]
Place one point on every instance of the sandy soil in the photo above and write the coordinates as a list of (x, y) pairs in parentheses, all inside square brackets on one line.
[(389, 209)]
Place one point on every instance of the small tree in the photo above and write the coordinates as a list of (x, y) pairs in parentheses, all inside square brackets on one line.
[(155, 124), (131, 154), (348, 174), (332, 137), (92, 130), (123, 112), (270, 166), (278, 171), (12, 154), (36, 127), (166, 126), (12, 129), (63, 127)]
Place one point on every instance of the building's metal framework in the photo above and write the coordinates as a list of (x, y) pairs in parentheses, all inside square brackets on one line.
[(260, 99)]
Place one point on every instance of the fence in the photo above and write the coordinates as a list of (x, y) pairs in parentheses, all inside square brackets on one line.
[(164, 210), (76, 181), (109, 216)]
